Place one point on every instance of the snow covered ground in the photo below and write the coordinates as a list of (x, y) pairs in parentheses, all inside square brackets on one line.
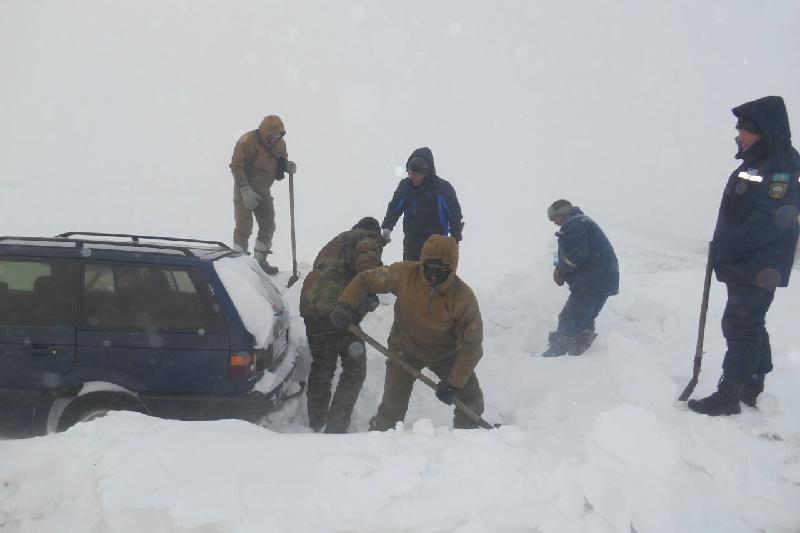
[(589, 444)]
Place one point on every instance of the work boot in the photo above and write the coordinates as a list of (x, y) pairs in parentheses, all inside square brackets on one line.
[(752, 389), (260, 253), (583, 341), (559, 344), (725, 401)]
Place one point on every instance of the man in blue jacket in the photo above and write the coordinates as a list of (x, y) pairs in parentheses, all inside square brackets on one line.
[(428, 203), (753, 248), (588, 265)]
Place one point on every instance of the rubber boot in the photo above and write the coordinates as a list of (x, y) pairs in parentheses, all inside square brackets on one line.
[(725, 401), (751, 390), (559, 344), (583, 341)]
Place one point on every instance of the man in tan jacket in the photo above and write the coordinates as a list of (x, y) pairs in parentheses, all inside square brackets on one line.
[(437, 324), (259, 158)]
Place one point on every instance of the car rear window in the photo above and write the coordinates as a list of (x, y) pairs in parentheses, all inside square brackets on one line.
[(148, 298)]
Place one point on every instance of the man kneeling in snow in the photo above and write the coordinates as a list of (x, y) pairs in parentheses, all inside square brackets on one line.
[(587, 263), (437, 324)]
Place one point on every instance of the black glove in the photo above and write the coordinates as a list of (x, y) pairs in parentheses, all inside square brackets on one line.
[(446, 392), (342, 316), (370, 302), (559, 277)]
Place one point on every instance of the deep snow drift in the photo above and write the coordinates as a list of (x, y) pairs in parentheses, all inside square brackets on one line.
[(594, 443)]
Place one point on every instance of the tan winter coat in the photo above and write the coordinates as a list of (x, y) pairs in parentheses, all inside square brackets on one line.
[(336, 265), (256, 164), (430, 324)]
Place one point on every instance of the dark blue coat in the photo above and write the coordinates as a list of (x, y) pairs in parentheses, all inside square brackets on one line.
[(756, 232), (431, 208), (586, 257)]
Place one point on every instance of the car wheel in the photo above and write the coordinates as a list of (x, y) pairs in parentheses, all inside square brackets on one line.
[(97, 404)]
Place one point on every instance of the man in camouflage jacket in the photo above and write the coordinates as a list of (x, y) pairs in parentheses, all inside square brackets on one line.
[(346, 255)]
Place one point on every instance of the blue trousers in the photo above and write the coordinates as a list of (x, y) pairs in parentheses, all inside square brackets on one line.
[(744, 328), (579, 312)]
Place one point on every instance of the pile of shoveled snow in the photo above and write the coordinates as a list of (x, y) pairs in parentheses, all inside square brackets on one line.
[(595, 443)]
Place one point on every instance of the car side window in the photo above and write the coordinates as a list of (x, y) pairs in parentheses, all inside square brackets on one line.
[(148, 298), (35, 292)]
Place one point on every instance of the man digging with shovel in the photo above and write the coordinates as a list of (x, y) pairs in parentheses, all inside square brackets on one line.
[(437, 324)]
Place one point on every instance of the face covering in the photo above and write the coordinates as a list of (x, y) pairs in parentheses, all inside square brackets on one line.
[(435, 271)]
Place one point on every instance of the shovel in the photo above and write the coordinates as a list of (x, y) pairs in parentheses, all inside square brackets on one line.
[(701, 330), (295, 277), (461, 406)]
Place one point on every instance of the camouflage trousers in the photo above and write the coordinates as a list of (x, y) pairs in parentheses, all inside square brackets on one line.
[(327, 347), (264, 214), (397, 391)]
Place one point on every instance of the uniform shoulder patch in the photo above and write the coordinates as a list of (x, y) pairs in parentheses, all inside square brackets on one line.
[(778, 189), (781, 177)]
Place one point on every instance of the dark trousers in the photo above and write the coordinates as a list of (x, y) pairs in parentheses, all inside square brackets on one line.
[(412, 246), (327, 347), (744, 328), (579, 312), (399, 384)]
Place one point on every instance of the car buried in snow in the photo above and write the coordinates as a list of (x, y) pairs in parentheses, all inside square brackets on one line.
[(174, 328)]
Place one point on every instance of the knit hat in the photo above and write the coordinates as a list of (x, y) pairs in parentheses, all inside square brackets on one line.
[(748, 125), (369, 224), (558, 208), (418, 164)]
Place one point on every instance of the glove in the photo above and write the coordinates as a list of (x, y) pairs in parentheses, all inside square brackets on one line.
[(446, 392), (290, 167), (250, 197), (385, 232), (370, 303), (558, 277), (342, 316)]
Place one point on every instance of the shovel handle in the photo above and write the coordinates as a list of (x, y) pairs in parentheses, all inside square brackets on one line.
[(294, 277), (461, 406)]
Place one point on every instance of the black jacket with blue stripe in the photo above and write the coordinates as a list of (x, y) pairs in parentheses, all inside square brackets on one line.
[(432, 208)]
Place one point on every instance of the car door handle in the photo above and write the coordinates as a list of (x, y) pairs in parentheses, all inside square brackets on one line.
[(44, 350)]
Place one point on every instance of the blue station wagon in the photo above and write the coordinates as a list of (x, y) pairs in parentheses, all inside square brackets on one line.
[(175, 328)]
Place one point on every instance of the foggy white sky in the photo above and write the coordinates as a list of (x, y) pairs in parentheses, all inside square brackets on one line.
[(121, 116)]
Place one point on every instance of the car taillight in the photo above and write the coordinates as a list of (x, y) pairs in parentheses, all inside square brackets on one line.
[(242, 366)]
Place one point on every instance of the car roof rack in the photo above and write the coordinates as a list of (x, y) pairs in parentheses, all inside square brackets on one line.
[(135, 240)]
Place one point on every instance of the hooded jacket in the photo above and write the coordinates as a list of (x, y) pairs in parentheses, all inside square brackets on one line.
[(339, 261), (756, 232), (585, 256), (430, 323), (432, 208), (256, 164)]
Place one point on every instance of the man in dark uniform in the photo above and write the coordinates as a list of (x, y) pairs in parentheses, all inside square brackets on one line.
[(339, 261), (428, 203), (587, 263), (753, 248)]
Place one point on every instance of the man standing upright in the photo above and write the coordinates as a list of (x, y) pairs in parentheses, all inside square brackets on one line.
[(259, 158), (753, 248), (587, 263), (339, 261), (428, 203)]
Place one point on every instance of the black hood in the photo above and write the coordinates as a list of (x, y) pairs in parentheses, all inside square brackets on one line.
[(426, 154), (769, 113)]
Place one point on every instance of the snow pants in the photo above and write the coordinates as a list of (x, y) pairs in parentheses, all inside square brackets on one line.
[(399, 384), (579, 312), (327, 347), (264, 214), (744, 327)]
